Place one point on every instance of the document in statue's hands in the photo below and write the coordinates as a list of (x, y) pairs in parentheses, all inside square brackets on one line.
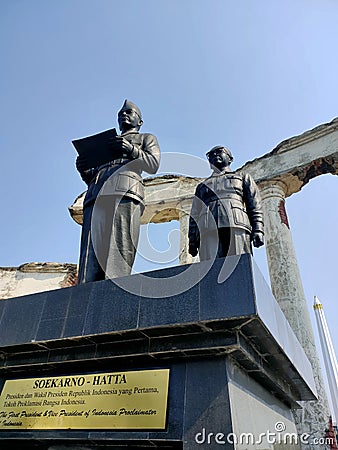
[(96, 149)]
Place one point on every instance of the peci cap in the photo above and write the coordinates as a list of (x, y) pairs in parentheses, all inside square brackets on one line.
[(130, 105), (220, 147)]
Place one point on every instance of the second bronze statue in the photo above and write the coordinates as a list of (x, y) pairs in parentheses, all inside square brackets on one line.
[(226, 214)]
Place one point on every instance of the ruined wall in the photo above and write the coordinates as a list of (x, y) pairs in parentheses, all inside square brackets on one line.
[(35, 277)]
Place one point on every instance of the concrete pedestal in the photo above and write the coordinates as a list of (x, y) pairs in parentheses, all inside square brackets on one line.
[(236, 367)]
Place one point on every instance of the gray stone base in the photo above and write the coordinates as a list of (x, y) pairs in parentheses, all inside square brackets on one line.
[(236, 368)]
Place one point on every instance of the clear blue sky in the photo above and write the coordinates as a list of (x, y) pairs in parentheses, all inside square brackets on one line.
[(244, 73)]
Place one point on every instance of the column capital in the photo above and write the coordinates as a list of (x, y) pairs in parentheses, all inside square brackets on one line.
[(273, 188)]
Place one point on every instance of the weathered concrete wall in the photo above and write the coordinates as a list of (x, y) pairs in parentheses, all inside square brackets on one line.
[(297, 160), (35, 277)]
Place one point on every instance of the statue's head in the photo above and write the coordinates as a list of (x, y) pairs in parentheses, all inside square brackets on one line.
[(219, 157), (129, 117)]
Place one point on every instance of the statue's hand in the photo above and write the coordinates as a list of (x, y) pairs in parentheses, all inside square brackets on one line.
[(121, 146), (127, 147), (257, 238), (193, 249)]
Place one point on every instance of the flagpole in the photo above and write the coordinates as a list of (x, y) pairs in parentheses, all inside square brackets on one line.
[(329, 356)]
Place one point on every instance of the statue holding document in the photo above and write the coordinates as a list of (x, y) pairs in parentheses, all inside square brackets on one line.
[(226, 214), (111, 166)]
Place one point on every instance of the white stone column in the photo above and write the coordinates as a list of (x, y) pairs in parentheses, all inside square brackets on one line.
[(184, 214), (288, 290)]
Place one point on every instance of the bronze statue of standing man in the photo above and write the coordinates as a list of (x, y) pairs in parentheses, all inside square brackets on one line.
[(114, 201), (226, 214)]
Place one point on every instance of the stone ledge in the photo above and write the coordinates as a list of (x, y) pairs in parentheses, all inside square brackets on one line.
[(45, 267), (101, 323)]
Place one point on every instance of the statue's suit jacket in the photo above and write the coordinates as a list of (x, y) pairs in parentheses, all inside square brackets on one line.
[(127, 181), (226, 199)]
